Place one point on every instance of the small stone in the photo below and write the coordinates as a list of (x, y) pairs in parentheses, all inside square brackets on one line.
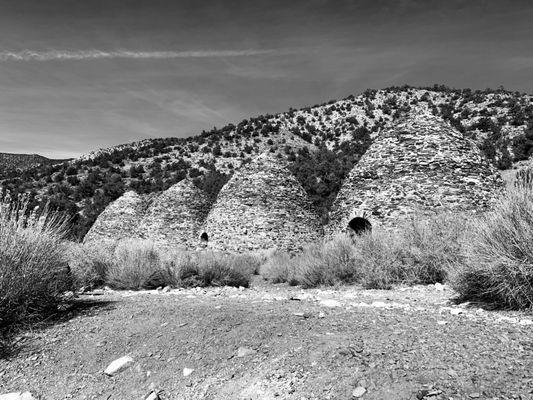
[(474, 395), (321, 315), (422, 393), (330, 303), (153, 396), (187, 371), (166, 289), (439, 287), (442, 322), (17, 396), (358, 392), (118, 365), (456, 311), (245, 351)]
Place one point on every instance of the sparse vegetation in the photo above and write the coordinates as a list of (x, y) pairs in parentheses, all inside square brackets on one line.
[(138, 264), (420, 253), (499, 254), (33, 265)]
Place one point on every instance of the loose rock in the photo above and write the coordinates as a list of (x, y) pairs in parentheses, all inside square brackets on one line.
[(358, 392), (118, 365), (245, 351), (17, 396)]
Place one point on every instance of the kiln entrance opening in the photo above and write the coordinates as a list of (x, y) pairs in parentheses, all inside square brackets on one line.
[(359, 225)]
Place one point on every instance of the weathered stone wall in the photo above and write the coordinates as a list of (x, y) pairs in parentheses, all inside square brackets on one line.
[(423, 165), (262, 207), (175, 217), (119, 220)]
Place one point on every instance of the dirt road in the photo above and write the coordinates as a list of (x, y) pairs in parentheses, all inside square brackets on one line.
[(276, 342)]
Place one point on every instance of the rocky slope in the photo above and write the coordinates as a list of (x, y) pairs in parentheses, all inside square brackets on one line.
[(11, 162), (323, 142)]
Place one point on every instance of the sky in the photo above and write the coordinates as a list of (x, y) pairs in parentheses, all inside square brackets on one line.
[(78, 75)]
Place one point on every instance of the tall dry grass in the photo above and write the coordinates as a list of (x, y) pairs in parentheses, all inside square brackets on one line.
[(421, 252), (33, 265), (139, 264), (498, 265)]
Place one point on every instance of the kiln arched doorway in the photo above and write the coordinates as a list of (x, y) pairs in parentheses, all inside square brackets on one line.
[(359, 225)]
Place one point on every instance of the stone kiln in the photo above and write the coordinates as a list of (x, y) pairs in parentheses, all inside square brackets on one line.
[(174, 218), (119, 220), (422, 164), (262, 207)]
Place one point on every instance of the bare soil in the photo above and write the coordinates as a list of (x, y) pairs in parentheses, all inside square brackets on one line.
[(277, 342)]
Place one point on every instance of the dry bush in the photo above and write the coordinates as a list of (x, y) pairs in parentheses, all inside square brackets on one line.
[(276, 268), (499, 254), (136, 264), (213, 269), (88, 264), (420, 253), (33, 267)]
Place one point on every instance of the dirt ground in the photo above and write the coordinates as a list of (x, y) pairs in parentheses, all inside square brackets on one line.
[(277, 342)]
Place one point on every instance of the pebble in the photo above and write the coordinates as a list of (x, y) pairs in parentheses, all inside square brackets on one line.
[(118, 365), (17, 396), (153, 396), (330, 303), (245, 351), (187, 371), (358, 392)]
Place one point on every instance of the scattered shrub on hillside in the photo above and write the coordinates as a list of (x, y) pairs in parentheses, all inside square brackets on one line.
[(33, 267), (499, 255)]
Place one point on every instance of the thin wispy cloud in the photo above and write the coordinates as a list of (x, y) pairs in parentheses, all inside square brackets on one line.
[(59, 55)]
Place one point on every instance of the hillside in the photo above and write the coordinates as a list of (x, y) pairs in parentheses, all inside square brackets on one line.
[(322, 143), (10, 162)]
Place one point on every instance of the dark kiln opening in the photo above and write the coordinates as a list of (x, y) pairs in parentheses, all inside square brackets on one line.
[(204, 237), (360, 225)]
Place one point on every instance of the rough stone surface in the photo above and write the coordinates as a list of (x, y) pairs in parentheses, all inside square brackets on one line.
[(175, 217), (262, 207), (119, 365), (420, 165), (120, 220)]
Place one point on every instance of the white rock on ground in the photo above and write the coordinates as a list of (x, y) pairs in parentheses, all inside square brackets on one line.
[(17, 396), (330, 303), (118, 365), (153, 396), (187, 371), (244, 351), (358, 392)]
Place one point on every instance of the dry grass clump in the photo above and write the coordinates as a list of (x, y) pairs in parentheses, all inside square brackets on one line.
[(499, 254), (88, 264), (213, 269), (138, 264), (33, 268), (135, 264), (420, 253)]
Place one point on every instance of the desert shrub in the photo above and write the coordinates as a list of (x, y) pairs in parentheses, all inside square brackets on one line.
[(213, 269), (88, 264), (135, 264), (276, 268), (33, 267), (329, 263), (421, 252), (499, 254)]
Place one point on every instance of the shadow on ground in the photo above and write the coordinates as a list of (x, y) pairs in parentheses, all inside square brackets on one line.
[(12, 338)]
